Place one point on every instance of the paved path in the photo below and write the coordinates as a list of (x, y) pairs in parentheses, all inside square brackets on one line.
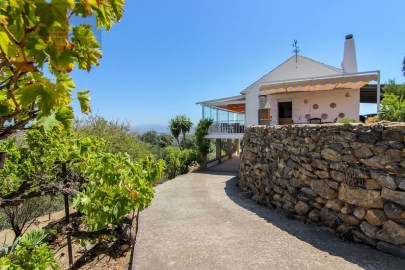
[(200, 221)]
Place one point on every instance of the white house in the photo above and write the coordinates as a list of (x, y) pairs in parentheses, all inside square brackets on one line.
[(300, 90)]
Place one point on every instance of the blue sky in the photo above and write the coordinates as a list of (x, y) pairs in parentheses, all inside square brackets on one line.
[(164, 56)]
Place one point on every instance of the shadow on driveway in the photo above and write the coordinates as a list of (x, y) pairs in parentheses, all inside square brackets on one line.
[(318, 236)]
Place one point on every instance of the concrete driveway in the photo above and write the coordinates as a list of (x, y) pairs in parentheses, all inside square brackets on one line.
[(201, 221)]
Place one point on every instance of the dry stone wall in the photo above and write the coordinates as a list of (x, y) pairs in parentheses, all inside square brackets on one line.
[(349, 177)]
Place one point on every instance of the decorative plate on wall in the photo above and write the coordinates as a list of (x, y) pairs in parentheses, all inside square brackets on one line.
[(315, 106), (324, 116), (307, 116), (333, 105), (341, 115)]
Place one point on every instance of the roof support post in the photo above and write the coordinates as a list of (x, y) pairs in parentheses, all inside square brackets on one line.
[(378, 94)]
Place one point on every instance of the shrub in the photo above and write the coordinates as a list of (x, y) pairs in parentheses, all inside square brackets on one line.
[(393, 108), (347, 121), (178, 160), (30, 253), (203, 145), (373, 119)]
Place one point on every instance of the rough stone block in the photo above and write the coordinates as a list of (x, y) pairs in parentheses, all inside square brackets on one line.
[(329, 217), (401, 183), (338, 176), (314, 214), (320, 164), (392, 168), (321, 200), (276, 197), (302, 197), (339, 166), (363, 152), (394, 196), (308, 191), (345, 229), (388, 135), (322, 174), (307, 173), (346, 210), (301, 208), (372, 184), (360, 197), (307, 167), (322, 189), (335, 204), (376, 217), (360, 237), (374, 162), (392, 233), (330, 154), (332, 184), (368, 229), (349, 158), (359, 212), (289, 197), (395, 212), (393, 155), (294, 182), (349, 219)]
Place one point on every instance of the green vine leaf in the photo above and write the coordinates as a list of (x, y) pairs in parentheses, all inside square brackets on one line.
[(84, 99)]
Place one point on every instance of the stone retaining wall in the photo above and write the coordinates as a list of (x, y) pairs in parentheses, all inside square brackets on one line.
[(349, 177)]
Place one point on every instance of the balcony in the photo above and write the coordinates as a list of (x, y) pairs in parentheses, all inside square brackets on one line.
[(228, 115), (235, 126)]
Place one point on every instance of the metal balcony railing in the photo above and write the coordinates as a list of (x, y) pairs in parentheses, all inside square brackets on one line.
[(233, 126)]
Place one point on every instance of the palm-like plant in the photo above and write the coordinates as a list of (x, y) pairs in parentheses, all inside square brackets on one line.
[(180, 124)]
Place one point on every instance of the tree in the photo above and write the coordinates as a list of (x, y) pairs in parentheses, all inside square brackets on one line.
[(180, 124), (37, 34), (175, 129), (159, 140), (203, 145), (21, 217), (393, 88)]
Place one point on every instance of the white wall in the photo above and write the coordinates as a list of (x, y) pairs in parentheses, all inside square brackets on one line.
[(252, 107), (350, 106), (289, 70)]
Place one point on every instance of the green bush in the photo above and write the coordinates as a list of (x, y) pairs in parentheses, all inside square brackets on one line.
[(203, 146), (31, 253), (347, 121), (178, 160), (118, 136), (393, 108)]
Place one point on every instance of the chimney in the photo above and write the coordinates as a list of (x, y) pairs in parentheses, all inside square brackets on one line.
[(349, 63)]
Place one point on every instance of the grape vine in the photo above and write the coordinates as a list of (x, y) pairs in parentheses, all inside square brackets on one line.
[(106, 186)]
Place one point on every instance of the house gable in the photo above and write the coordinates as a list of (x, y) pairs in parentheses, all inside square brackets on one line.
[(295, 67)]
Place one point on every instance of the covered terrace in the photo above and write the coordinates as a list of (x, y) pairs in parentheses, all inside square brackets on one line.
[(326, 98), (228, 115)]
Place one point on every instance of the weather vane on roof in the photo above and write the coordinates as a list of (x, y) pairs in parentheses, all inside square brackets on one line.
[(296, 49)]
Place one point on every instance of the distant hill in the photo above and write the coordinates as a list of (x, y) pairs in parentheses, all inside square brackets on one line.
[(145, 128)]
